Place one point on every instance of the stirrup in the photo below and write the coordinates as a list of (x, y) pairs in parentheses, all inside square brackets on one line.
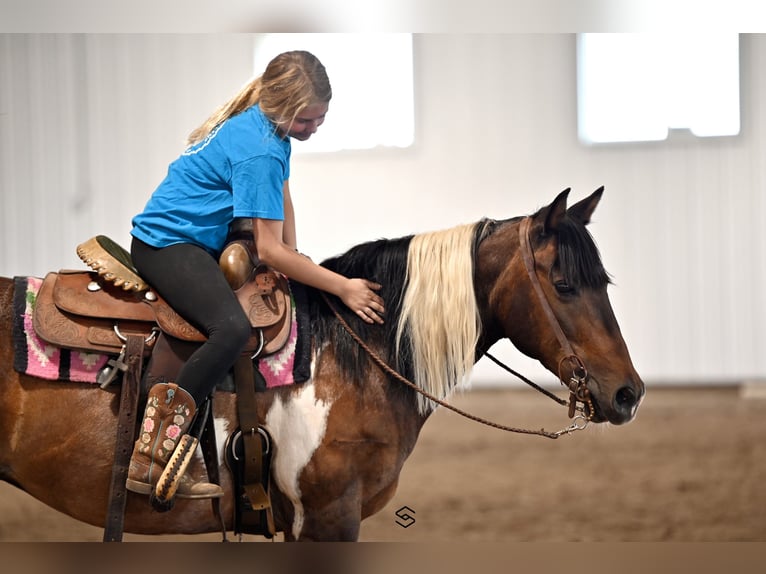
[(167, 487), (112, 262)]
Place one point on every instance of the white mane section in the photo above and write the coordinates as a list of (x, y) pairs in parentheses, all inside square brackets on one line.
[(439, 311)]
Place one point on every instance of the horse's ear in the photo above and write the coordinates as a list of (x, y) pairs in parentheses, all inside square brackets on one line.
[(583, 210), (555, 212)]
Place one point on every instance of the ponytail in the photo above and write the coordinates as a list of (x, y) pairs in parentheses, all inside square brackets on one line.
[(292, 81)]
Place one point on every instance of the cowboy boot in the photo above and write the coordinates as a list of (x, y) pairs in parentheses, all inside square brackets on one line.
[(168, 415)]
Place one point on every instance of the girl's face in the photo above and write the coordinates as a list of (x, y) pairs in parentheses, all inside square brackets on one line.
[(307, 121)]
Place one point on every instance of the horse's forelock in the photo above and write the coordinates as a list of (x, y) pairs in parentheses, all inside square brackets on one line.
[(578, 256)]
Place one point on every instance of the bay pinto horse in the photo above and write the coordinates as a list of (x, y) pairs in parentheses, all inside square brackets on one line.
[(343, 436)]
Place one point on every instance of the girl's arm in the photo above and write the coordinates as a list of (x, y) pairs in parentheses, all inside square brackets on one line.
[(289, 236), (358, 294)]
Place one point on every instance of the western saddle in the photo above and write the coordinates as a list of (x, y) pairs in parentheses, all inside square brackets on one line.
[(95, 311)]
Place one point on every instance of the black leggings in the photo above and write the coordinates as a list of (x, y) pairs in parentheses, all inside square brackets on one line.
[(191, 281)]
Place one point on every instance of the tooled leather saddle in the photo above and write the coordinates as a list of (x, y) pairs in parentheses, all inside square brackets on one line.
[(97, 310), (113, 310)]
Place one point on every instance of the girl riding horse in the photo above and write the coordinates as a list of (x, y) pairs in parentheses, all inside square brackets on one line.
[(237, 165)]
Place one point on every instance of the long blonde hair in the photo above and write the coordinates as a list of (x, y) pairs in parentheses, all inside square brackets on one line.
[(291, 82), (440, 311)]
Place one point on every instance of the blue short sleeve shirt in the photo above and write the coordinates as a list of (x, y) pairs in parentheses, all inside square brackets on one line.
[(239, 170)]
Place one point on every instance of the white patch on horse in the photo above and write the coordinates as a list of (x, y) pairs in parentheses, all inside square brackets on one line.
[(17, 432), (221, 436), (297, 427)]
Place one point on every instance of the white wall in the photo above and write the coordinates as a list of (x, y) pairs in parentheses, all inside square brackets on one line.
[(88, 124)]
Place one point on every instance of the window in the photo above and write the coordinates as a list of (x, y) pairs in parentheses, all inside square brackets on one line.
[(372, 83), (637, 87)]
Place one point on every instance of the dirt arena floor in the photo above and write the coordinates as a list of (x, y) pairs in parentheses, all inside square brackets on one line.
[(690, 468)]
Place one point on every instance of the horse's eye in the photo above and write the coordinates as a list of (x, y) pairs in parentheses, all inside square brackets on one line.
[(564, 288)]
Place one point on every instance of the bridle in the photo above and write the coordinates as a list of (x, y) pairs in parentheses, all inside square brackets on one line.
[(577, 384)]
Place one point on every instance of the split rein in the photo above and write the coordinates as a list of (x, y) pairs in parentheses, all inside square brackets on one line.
[(578, 390), (383, 365)]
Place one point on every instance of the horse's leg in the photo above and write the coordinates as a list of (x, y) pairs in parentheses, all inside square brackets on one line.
[(345, 481), (334, 509), (315, 473), (360, 448), (339, 519)]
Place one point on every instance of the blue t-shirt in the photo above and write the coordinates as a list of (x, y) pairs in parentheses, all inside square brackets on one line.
[(238, 170)]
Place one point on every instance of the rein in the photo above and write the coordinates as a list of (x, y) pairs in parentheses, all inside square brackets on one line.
[(387, 368), (577, 385)]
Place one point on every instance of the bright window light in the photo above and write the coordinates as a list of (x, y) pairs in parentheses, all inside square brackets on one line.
[(637, 87), (372, 85)]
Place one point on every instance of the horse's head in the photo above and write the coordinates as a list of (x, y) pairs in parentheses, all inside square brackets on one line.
[(550, 299)]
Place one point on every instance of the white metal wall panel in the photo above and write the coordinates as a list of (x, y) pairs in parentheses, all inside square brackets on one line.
[(88, 125)]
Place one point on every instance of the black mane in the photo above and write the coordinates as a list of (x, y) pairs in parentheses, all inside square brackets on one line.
[(383, 261)]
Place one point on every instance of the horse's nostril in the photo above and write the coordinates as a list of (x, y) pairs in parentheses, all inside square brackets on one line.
[(625, 399)]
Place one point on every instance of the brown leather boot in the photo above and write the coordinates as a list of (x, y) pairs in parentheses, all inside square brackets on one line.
[(168, 415)]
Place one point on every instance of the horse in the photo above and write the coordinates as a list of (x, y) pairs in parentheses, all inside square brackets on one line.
[(342, 437)]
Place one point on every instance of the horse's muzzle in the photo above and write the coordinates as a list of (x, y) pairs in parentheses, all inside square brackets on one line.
[(618, 407), (625, 403)]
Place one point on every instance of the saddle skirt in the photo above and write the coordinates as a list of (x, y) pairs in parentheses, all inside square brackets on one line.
[(89, 311)]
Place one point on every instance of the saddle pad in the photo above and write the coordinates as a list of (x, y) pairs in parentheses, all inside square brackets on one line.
[(35, 357), (277, 369)]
